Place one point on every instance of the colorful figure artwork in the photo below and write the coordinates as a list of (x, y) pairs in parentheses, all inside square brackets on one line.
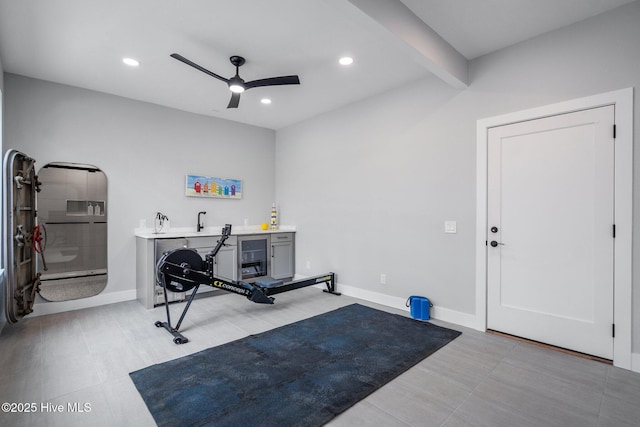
[(205, 186)]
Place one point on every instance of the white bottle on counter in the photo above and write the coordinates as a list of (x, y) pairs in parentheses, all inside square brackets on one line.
[(274, 217), (90, 209)]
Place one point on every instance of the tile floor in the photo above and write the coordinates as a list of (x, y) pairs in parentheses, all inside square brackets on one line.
[(479, 379)]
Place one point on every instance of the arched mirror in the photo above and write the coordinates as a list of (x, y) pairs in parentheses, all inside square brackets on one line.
[(72, 220)]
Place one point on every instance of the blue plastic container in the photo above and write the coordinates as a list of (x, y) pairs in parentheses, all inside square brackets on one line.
[(419, 307)]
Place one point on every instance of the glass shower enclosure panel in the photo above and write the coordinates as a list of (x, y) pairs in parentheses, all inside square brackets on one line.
[(72, 208)]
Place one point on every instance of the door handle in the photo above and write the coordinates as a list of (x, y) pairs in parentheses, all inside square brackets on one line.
[(495, 244)]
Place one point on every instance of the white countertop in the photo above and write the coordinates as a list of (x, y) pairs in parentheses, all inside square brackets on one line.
[(236, 230)]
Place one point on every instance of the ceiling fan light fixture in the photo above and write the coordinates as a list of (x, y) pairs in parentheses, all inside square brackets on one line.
[(235, 83)]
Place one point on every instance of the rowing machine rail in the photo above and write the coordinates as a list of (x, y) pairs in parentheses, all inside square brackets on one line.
[(181, 270)]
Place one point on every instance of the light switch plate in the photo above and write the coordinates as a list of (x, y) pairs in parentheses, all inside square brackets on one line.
[(450, 227)]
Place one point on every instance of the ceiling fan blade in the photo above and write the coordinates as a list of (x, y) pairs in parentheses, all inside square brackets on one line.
[(235, 100), (273, 81), (197, 67)]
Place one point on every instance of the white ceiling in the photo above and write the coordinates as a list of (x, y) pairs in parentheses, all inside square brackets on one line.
[(81, 43)]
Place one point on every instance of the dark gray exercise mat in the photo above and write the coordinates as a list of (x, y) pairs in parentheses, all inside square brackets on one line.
[(302, 374)]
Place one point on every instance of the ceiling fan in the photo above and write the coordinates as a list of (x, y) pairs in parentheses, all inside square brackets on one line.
[(236, 84)]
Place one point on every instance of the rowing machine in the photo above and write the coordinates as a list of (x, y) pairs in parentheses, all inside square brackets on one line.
[(181, 270)]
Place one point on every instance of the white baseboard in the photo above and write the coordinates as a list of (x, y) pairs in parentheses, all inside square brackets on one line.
[(371, 296), (439, 313), (457, 317), (635, 362), (44, 308)]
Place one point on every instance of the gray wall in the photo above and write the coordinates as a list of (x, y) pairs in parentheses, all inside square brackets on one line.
[(370, 185), (145, 151)]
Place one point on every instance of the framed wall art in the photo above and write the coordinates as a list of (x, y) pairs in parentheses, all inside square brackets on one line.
[(206, 186)]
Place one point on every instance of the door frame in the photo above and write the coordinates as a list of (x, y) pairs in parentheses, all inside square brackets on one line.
[(623, 194)]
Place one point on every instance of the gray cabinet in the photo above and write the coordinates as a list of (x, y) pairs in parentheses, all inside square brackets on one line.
[(266, 255), (149, 251), (162, 246), (282, 256), (225, 261)]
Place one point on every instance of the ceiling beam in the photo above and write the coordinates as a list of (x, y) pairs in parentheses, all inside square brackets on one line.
[(426, 46)]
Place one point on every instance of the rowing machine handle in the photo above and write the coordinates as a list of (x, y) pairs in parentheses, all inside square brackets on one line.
[(226, 232)]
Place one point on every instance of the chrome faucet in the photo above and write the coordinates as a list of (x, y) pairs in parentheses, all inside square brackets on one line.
[(200, 224)]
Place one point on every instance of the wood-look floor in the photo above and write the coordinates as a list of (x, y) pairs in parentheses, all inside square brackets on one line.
[(477, 380)]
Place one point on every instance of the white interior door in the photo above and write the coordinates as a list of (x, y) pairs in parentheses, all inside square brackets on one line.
[(550, 230)]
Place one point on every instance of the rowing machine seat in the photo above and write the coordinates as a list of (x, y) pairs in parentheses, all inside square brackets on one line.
[(268, 283)]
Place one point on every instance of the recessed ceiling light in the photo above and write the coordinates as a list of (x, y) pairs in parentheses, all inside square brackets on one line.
[(265, 101), (131, 62), (346, 60)]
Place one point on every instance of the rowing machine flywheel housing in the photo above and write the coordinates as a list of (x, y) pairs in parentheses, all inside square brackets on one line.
[(188, 259)]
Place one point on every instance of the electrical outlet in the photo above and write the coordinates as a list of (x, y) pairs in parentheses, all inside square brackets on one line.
[(383, 279), (450, 227), (308, 265)]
